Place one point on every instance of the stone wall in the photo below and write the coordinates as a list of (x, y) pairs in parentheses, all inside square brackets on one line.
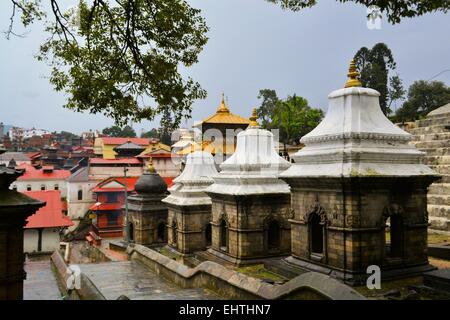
[(189, 223), (235, 285), (353, 221), (432, 135), (87, 291), (247, 221)]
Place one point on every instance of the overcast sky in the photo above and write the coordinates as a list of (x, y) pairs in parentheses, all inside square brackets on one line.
[(253, 45)]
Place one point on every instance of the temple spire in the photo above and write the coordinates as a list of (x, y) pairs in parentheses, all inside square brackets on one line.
[(150, 167), (223, 107), (353, 75), (253, 119)]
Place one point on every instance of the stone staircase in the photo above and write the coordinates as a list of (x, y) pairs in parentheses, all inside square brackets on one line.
[(432, 135)]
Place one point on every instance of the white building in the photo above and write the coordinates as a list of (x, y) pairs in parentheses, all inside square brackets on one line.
[(44, 228), (43, 179), (79, 195)]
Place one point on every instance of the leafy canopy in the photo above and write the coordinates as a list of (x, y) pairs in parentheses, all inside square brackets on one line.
[(374, 66), (292, 116), (423, 97), (395, 10), (118, 132), (122, 58)]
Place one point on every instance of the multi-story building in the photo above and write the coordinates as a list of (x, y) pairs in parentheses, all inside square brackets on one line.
[(46, 178)]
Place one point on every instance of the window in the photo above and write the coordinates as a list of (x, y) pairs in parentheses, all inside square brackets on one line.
[(42, 187), (161, 232), (394, 236), (208, 235), (28, 188), (131, 231), (111, 197), (223, 236), (316, 233), (14, 188), (56, 187), (273, 235), (113, 218), (80, 195)]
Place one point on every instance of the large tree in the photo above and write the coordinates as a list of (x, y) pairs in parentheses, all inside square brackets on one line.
[(116, 131), (268, 106), (121, 57), (292, 116), (423, 97), (394, 10), (374, 66)]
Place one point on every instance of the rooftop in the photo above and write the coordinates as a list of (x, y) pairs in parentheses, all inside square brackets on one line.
[(31, 173), (114, 161), (119, 141), (50, 215), (17, 156), (223, 115)]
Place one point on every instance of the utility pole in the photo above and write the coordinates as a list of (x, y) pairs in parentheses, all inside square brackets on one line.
[(126, 225)]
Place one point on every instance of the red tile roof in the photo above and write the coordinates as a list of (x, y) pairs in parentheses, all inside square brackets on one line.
[(106, 206), (114, 161), (118, 141), (31, 173), (169, 181), (159, 155), (50, 215), (33, 155), (131, 182)]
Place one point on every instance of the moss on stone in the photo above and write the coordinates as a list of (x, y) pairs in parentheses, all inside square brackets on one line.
[(258, 271)]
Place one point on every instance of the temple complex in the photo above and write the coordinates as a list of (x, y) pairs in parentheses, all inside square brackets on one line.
[(189, 227), (147, 214), (250, 205), (219, 132), (359, 192)]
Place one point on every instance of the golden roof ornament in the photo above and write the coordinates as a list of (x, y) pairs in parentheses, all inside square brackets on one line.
[(150, 167), (253, 119), (223, 107), (353, 75)]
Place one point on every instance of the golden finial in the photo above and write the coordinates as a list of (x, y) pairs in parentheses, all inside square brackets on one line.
[(253, 119), (223, 106), (353, 75), (151, 168)]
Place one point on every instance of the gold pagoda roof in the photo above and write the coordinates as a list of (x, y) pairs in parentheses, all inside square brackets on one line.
[(223, 115), (208, 146)]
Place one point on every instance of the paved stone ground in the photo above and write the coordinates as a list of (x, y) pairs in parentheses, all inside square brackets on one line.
[(41, 283), (137, 282)]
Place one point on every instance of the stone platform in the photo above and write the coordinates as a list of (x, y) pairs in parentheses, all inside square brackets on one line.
[(41, 283), (132, 279)]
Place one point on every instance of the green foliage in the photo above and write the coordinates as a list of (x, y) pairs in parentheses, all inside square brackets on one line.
[(423, 97), (394, 10), (115, 131), (292, 116), (122, 58), (153, 133), (164, 135), (374, 66), (268, 105)]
